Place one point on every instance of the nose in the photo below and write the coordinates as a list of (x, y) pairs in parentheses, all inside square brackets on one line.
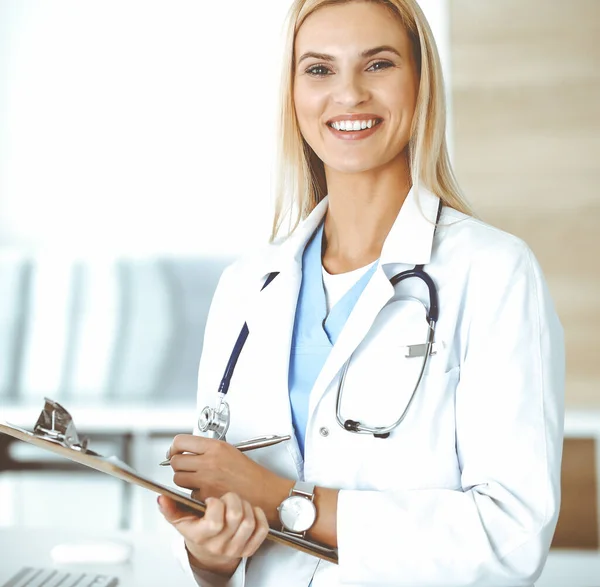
[(350, 90)]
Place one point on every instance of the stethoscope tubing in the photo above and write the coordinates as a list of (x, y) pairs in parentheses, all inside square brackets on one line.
[(237, 349), (380, 431), (419, 272)]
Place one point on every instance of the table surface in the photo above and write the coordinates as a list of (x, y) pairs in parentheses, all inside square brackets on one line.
[(571, 568), (152, 564)]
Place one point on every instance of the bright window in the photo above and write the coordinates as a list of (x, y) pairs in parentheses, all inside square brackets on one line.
[(140, 126)]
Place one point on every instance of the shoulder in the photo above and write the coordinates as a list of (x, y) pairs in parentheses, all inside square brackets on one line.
[(496, 271), (250, 267), (481, 247)]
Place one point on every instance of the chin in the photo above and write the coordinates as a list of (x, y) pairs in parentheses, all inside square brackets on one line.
[(352, 166)]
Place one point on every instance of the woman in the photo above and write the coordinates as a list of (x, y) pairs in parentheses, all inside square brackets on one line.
[(465, 489)]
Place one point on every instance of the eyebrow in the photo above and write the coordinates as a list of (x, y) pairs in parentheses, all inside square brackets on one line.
[(365, 54)]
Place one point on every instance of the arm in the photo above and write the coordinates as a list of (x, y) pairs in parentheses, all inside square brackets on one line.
[(324, 530)]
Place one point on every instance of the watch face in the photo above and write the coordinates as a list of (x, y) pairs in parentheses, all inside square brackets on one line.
[(297, 513)]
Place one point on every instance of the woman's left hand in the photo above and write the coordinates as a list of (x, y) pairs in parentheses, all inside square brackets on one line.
[(215, 467)]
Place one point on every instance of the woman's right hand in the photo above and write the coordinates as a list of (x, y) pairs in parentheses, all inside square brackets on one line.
[(230, 529)]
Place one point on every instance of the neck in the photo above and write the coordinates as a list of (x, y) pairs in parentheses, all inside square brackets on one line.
[(362, 210)]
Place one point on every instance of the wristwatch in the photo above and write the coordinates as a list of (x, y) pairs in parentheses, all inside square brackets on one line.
[(298, 512)]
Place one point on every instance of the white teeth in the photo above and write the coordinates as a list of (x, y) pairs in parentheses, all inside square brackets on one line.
[(353, 125)]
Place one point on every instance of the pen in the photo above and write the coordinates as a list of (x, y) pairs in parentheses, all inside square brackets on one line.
[(251, 444)]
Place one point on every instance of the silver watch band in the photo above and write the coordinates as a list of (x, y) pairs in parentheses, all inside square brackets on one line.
[(303, 488)]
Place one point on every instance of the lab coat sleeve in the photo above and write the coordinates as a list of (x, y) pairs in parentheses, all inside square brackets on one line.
[(496, 529), (206, 393), (206, 578)]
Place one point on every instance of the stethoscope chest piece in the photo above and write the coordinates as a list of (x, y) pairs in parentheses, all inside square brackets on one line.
[(215, 421)]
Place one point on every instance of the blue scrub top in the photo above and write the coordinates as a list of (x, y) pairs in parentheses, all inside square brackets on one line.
[(315, 332)]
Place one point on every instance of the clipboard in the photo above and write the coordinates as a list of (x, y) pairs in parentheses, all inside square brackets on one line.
[(55, 432)]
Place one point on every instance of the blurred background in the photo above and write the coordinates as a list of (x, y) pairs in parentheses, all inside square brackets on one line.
[(136, 161)]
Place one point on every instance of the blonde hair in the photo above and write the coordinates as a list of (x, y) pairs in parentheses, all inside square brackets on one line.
[(301, 183)]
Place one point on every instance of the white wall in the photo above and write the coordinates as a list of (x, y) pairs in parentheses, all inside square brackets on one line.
[(141, 126)]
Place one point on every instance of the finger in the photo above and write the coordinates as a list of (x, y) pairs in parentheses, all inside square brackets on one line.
[(216, 526), (213, 520), (261, 531), (172, 512), (186, 463), (190, 443), (234, 514), (186, 479), (197, 530), (245, 530), (234, 510)]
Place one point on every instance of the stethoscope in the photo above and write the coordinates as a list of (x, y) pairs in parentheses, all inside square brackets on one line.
[(215, 421)]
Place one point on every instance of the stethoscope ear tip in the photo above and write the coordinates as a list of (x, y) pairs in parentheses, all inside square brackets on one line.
[(351, 425), (354, 426)]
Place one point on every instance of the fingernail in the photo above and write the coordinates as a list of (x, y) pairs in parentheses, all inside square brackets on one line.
[(158, 502), (168, 453)]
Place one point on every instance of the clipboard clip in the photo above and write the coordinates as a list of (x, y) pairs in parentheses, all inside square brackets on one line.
[(56, 425)]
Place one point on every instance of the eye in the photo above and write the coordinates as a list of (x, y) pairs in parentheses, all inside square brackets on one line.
[(379, 65), (318, 70)]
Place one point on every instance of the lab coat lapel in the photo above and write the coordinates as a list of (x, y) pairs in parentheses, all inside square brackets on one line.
[(271, 313), (375, 296), (270, 324)]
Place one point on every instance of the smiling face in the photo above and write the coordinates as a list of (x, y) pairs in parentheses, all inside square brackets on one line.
[(355, 86)]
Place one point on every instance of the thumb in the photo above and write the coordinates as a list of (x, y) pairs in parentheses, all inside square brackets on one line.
[(171, 511)]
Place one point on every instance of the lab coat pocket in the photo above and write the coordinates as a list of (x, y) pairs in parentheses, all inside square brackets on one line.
[(421, 451)]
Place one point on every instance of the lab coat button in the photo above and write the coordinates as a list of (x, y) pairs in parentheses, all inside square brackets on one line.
[(324, 431)]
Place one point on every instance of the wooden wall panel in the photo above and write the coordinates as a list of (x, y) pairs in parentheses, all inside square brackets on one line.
[(526, 115), (578, 521)]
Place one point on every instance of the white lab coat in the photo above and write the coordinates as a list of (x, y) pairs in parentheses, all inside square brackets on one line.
[(466, 491)]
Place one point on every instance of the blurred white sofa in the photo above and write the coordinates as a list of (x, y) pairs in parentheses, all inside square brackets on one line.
[(108, 329)]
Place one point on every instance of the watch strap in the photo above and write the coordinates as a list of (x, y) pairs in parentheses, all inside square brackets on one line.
[(304, 489)]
